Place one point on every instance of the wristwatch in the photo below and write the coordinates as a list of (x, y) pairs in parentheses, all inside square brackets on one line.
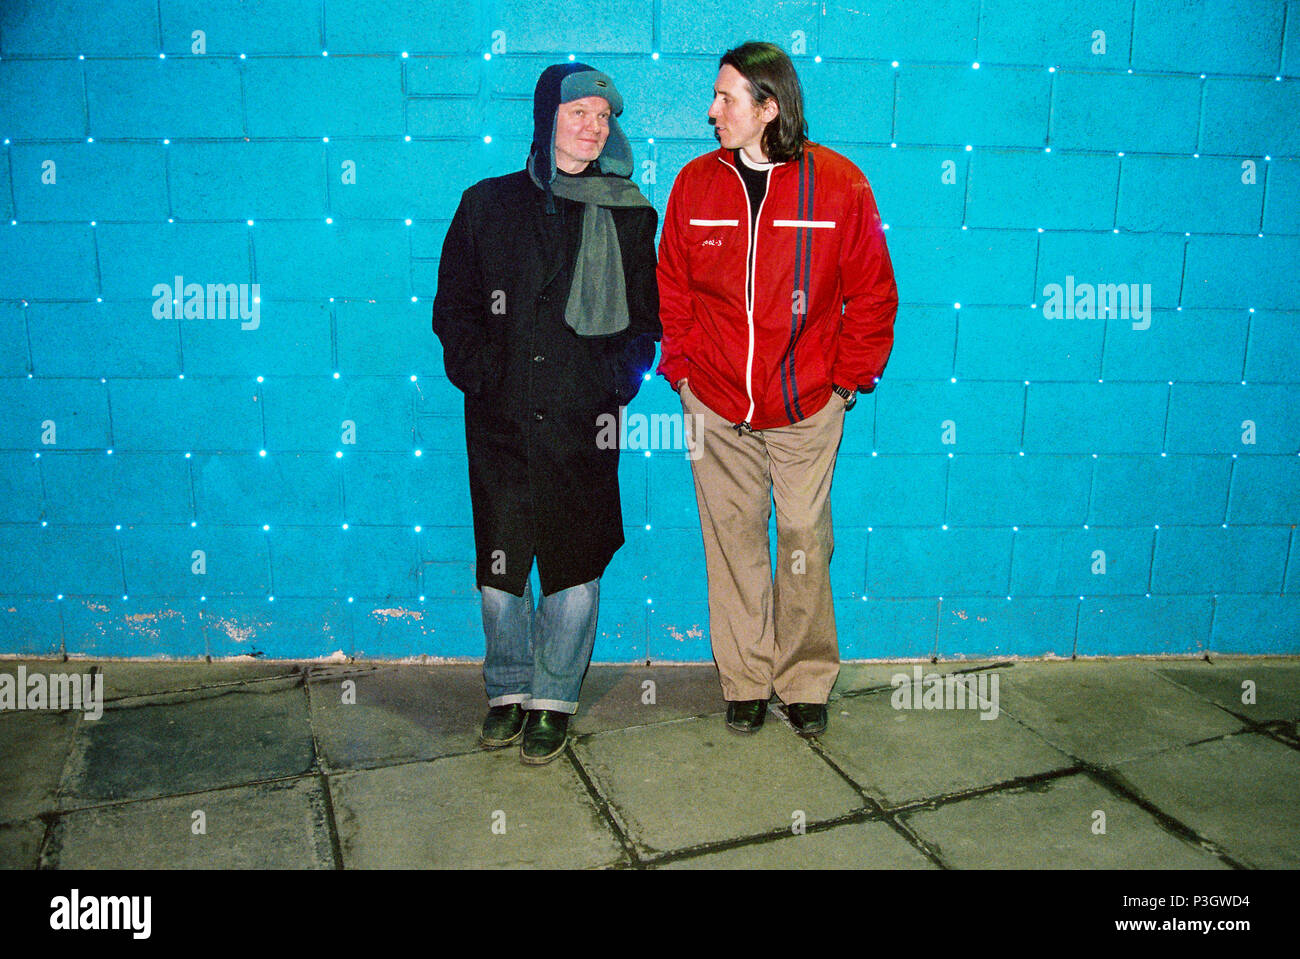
[(850, 396)]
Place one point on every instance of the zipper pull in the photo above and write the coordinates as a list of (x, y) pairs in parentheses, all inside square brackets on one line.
[(741, 427)]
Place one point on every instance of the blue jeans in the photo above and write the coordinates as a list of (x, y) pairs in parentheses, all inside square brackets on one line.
[(538, 658)]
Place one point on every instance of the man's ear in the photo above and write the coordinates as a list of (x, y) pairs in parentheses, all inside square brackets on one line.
[(770, 110)]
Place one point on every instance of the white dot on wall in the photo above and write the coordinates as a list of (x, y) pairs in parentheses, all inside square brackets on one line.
[(654, 56), (975, 65), (419, 452), (487, 139), (324, 139), (338, 454), (407, 138), (408, 222), (405, 54), (487, 56), (329, 219), (894, 64)]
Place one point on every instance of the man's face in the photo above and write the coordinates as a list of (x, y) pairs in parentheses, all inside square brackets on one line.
[(737, 121), (581, 129)]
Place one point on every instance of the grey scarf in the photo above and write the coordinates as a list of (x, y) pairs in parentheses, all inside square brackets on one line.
[(597, 304)]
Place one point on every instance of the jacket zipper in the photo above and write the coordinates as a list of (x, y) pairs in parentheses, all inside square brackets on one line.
[(751, 287)]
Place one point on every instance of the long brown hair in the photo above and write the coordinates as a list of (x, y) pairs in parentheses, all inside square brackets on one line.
[(770, 74)]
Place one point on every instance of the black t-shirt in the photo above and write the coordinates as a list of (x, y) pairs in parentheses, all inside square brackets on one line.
[(755, 185)]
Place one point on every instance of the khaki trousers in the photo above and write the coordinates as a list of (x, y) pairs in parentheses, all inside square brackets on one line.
[(769, 633)]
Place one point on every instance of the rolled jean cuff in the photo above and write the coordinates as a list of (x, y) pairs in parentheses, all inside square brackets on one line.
[(554, 705), (507, 699)]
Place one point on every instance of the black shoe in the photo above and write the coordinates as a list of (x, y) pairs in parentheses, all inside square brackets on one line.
[(502, 726), (746, 715), (808, 719), (544, 736)]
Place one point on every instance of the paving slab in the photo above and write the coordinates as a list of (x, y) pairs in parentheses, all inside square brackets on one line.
[(1049, 825), (268, 826), (20, 844), (616, 697), (869, 845), (396, 714), (35, 746), (485, 810), (1241, 792), (126, 679), (1107, 712), (686, 783), (856, 677), (901, 755), (190, 742), (1276, 686)]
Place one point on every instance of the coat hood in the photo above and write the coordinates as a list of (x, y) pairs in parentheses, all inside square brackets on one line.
[(562, 83)]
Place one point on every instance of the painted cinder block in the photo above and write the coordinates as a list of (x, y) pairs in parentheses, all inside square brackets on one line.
[(1265, 491), (1081, 562), (1233, 418), (370, 562), (73, 560), (358, 259), (1009, 490), (270, 26), (1238, 272), (921, 338), (1211, 559), (677, 631), (1056, 33), (90, 181), (945, 417), (242, 180), (1150, 490), (26, 569), (65, 28), (835, 118), (662, 564), (436, 435), (889, 490), (127, 487), (1144, 625), (354, 26), (1176, 345), (1188, 194), (392, 337), (914, 186), (1019, 189), (1152, 262), (178, 97), (143, 260), (284, 629), (322, 97), (442, 76), (1125, 112), (633, 488), (115, 338), (929, 30), (406, 490), (44, 100), (1255, 625), (993, 106), (620, 631), (938, 562), (139, 627), (22, 489), (212, 413), (248, 489), (445, 629), (195, 561), (284, 337), (1251, 117), (860, 427), (986, 627), (1274, 343), (31, 625), (1095, 417), (6, 192), (357, 413), (431, 117), (671, 493), (625, 26), (48, 261), (1019, 343), (936, 266), (1210, 36), (54, 414), (709, 27), (887, 628), (1282, 199)]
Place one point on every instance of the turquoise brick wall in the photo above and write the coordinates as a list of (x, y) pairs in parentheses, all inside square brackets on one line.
[(182, 487)]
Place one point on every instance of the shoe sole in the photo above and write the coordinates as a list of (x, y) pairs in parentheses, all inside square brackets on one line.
[(809, 732), (500, 743), (745, 730), (541, 760)]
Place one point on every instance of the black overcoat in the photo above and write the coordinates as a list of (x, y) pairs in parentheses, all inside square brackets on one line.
[(540, 485)]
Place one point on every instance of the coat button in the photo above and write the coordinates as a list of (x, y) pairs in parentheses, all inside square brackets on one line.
[(538, 358), (539, 414), (543, 299)]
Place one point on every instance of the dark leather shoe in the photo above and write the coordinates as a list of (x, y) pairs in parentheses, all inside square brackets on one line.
[(502, 726), (808, 719), (545, 733), (746, 715)]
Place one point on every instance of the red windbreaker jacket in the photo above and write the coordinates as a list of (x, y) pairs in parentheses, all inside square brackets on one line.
[(764, 322)]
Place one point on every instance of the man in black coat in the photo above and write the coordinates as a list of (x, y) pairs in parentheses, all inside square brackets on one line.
[(548, 312)]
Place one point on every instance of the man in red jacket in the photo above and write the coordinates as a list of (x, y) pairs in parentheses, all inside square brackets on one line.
[(777, 300)]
